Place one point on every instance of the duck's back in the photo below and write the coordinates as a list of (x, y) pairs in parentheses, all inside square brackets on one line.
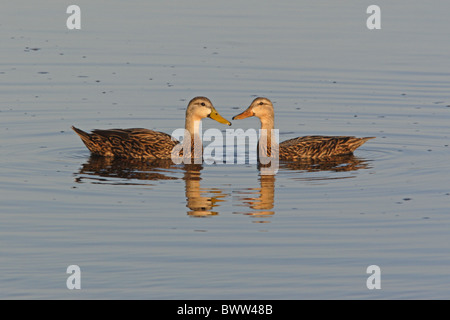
[(319, 146), (136, 143)]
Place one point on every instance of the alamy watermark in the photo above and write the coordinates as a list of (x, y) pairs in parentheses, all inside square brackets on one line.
[(74, 280), (74, 20), (374, 280), (228, 150), (374, 20)]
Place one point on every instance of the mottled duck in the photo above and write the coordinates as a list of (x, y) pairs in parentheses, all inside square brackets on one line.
[(312, 147), (138, 143)]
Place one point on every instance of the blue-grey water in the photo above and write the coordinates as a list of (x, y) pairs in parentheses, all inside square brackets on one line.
[(223, 231)]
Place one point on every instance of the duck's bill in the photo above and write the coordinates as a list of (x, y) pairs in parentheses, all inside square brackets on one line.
[(216, 116), (247, 113)]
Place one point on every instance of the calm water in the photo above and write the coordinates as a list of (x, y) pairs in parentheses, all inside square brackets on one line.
[(150, 231)]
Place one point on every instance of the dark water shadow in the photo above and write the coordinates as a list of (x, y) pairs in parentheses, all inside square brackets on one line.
[(326, 167), (335, 164), (122, 171)]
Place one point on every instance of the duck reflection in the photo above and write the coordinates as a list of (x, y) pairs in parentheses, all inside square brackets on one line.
[(200, 201), (260, 200), (205, 202)]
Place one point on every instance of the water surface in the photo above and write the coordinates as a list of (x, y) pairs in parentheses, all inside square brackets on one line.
[(158, 231)]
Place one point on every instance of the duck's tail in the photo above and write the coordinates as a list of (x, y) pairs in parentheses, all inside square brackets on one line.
[(358, 142), (87, 140), (83, 135)]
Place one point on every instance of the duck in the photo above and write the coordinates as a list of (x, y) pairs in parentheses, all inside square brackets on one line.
[(145, 144), (300, 148)]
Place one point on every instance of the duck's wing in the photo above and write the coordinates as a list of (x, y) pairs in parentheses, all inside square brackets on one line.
[(137, 143), (319, 146)]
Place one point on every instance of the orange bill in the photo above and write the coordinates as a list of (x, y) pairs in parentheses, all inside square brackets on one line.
[(247, 113)]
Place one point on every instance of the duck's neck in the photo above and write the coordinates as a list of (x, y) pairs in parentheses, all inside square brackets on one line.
[(193, 126), (193, 132), (267, 123)]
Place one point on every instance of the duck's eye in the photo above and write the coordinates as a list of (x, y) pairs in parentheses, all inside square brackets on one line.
[(203, 104), (261, 103)]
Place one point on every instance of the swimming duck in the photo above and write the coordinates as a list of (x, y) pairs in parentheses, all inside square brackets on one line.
[(138, 143), (318, 147)]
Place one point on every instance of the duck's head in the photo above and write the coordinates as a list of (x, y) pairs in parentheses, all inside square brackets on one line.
[(201, 107), (261, 108)]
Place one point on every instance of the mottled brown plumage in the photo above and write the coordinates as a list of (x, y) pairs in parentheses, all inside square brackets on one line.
[(138, 143), (135, 143), (317, 147)]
